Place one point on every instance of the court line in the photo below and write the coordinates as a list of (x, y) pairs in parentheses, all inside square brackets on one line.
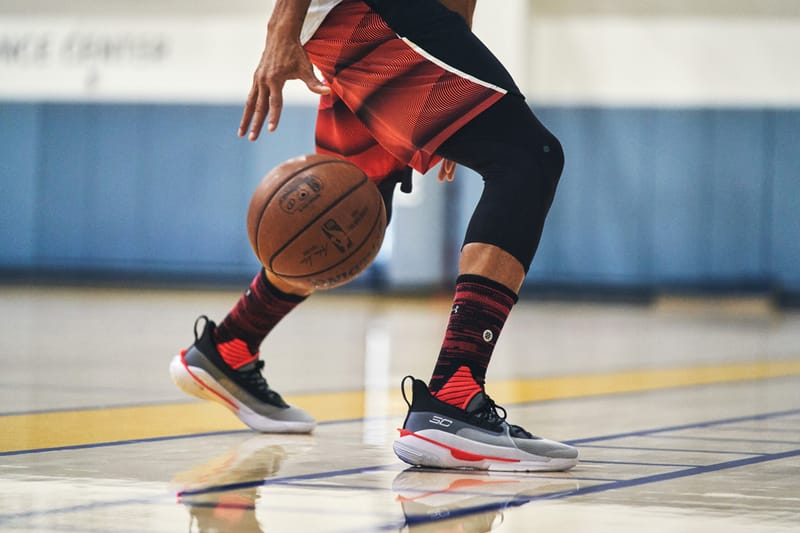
[(66, 429), (616, 485), (729, 439), (285, 480), (121, 405), (271, 481), (636, 463), (795, 430), (221, 488), (582, 442), (697, 470), (695, 425), (77, 507), (668, 450), (603, 486), (122, 442)]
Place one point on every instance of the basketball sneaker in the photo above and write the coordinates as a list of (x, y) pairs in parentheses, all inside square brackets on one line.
[(200, 371), (437, 434)]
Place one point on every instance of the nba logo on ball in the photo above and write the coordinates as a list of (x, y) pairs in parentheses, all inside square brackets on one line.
[(337, 236), (308, 206)]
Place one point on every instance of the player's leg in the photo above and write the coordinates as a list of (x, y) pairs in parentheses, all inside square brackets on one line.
[(520, 162), (414, 75), (224, 363)]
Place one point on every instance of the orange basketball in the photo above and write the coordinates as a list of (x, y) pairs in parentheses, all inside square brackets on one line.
[(316, 221)]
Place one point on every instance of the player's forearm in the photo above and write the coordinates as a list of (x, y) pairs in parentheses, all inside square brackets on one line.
[(287, 17)]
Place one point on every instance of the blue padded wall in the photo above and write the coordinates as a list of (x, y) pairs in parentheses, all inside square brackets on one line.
[(19, 167), (649, 197)]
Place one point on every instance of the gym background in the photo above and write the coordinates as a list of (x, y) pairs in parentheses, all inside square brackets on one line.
[(119, 159)]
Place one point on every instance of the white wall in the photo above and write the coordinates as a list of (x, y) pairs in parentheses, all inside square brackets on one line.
[(617, 52), (711, 53)]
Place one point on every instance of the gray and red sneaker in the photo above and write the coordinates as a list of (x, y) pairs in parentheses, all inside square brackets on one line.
[(437, 434), (200, 371)]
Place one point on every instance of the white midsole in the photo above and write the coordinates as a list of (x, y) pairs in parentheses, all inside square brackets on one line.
[(205, 387), (418, 451)]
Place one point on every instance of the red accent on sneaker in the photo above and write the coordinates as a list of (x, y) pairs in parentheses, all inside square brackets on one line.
[(236, 353), (459, 389), (457, 453), (206, 387)]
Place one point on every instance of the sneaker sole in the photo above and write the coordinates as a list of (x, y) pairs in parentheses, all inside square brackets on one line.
[(198, 383), (419, 450)]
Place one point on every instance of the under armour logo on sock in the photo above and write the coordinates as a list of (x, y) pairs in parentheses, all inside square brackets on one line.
[(455, 310)]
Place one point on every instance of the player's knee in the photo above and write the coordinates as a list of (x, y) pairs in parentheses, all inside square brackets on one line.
[(553, 164), (535, 169)]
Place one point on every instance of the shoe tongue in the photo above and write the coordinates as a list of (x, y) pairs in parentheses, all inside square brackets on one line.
[(476, 403), (249, 367)]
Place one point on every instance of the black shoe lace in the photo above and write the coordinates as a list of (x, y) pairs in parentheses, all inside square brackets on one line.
[(256, 382), (494, 414)]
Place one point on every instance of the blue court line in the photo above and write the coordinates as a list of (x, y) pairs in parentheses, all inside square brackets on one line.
[(636, 463), (516, 501), (528, 476), (162, 439), (54, 410), (236, 486), (453, 513), (574, 442), (694, 471), (710, 423), (124, 442), (756, 429), (321, 475), (675, 450), (78, 507), (616, 485), (219, 488), (285, 480), (730, 439)]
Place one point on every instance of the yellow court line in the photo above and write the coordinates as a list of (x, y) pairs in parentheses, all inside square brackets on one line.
[(38, 431)]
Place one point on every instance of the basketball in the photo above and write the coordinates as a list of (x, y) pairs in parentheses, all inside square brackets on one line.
[(316, 221)]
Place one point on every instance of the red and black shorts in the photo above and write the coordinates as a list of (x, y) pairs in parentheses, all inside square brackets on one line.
[(403, 80)]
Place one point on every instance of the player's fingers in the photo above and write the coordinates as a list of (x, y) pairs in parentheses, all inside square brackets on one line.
[(249, 109), (275, 108), (259, 113)]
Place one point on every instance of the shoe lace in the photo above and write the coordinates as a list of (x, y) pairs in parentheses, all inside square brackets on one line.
[(490, 412), (495, 414), (255, 379)]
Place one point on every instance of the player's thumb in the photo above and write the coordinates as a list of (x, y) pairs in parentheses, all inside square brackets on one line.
[(316, 86)]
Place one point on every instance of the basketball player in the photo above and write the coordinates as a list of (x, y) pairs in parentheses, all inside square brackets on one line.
[(406, 85)]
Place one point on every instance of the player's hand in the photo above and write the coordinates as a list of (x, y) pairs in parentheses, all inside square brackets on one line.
[(447, 170), (283, 59)]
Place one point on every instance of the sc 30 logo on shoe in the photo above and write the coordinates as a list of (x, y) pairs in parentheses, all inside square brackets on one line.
[(439, 421)]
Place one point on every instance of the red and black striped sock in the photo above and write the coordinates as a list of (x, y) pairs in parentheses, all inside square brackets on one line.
[(480, 309), (260, 308)]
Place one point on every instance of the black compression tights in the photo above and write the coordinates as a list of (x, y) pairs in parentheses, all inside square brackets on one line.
[(520, 162)]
